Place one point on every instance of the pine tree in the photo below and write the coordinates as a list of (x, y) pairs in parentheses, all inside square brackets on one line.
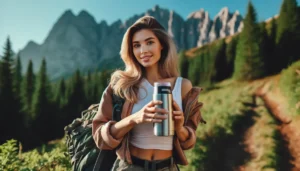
[(61, 107), (17, 77), (60, 96), (183, 64), (42, 115), (249, 61), (272, 58), (195, 69), (219, 57), (265, 46), (288, 33), (7, 101), (77, 99), (230, 55), (27, 90)]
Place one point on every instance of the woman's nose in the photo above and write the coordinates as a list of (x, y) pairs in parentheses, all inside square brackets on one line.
[(144, 49)]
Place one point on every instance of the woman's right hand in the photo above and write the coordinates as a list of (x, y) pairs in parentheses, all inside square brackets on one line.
[(149, 113)]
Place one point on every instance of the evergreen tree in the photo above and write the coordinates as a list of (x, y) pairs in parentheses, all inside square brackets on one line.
[(17, 81), (27, 90), (17, 77), (208, 67), (288, 33), (273, 60), (77, 99), (8, 112), (266, 48), (249, 61), (60, 96), (220, 65), (195, 69), (230, 55), (61, 104), (42, 116), (183, 64)]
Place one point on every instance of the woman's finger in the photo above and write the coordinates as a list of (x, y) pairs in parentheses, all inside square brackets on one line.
[(177, 113), (178, 117), (155, 116), (175, 105), (156, 110), (154, 102)]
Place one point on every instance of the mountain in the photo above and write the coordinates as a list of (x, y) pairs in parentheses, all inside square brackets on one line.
[(80, 42)]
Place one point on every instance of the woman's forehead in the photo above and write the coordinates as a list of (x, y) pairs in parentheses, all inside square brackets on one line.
[(143, 35)]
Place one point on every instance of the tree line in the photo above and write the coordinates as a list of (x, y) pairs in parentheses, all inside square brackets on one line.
[(34, 110)]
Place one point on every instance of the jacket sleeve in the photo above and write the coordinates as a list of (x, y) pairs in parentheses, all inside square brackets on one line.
[(194, 117), (102, 123)]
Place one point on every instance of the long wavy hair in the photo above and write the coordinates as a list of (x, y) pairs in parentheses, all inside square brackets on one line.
[(126, 83)]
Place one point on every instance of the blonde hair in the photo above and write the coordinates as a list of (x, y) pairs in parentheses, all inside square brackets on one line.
[(126, 83)]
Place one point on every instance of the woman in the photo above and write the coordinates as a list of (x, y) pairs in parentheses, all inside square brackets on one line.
[(150, 56)]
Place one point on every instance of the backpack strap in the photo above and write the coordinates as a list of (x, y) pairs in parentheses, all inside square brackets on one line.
[(116, 116), (117, 107)]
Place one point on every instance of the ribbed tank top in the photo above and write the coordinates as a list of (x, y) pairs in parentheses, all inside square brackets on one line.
[(142, 135)]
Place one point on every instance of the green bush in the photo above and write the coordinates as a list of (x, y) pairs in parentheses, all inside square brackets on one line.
[(49, 157), (290, 87)]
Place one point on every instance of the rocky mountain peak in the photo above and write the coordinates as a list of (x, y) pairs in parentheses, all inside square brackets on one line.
[(197, 14), (66, 17), (223, 12), (84, 16)]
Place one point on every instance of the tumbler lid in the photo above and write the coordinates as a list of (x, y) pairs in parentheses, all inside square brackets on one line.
[(162, 88)]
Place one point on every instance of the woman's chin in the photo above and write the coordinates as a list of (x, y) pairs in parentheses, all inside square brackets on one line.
[(147, 64)]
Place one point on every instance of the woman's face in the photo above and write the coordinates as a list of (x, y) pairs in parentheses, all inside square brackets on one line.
[(146, 47)]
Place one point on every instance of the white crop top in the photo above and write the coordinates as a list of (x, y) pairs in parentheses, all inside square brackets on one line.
[(142, 135)]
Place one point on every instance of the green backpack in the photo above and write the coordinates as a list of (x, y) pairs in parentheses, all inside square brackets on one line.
[(80, 143)]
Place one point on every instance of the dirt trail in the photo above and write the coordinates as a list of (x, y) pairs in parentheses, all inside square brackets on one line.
[(288, 127)]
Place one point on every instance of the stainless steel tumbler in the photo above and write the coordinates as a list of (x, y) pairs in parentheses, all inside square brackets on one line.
[(163, 92)]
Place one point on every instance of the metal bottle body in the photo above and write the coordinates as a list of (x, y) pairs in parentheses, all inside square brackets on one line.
[(163, 92)]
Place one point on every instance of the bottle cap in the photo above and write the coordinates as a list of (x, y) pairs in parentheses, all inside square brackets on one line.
[(162, 88)]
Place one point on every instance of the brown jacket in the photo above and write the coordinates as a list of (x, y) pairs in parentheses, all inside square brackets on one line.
[(102, 122)]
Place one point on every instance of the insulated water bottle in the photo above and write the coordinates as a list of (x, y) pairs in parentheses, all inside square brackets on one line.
[(163, 92)]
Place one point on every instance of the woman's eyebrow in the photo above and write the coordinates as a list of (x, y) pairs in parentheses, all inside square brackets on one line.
[(149, 38)]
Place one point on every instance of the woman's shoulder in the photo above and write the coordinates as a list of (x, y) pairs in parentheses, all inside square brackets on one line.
[(186, 86)]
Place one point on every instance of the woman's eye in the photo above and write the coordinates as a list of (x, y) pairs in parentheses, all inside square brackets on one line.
[(136, 45), (150, 42)]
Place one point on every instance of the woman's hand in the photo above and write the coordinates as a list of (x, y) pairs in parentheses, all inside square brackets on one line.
[(178, 116), (149, 113)]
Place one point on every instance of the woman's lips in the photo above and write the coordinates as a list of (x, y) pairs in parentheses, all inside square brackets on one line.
[(146, 58)]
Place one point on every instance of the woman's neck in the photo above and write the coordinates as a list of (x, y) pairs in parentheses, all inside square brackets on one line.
[(152, 74)]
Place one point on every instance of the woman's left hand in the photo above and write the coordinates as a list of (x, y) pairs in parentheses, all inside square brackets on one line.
[(178, 116)]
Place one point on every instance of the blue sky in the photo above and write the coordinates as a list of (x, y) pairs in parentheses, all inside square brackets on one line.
[(25, 20)]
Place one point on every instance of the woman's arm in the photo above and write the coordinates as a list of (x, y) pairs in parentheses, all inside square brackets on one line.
[(102, 122)]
